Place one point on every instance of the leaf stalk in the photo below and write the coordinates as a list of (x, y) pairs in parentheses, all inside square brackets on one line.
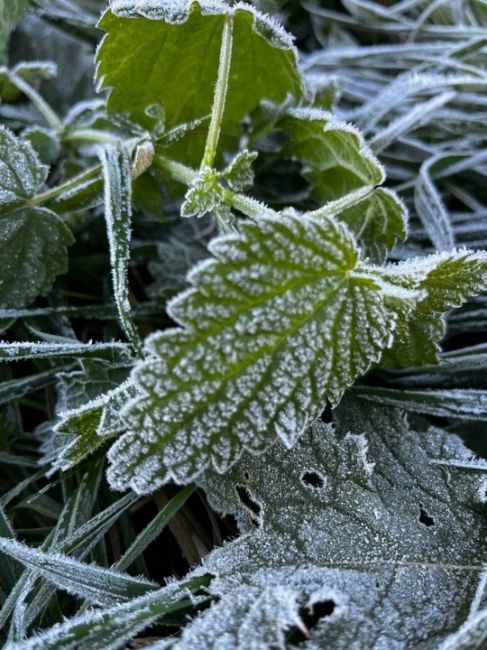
[(220, 95)]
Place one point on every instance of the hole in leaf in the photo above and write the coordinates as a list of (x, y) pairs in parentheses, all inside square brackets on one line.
[(312, 479), (247, 501), (425, 518), (310, 616)]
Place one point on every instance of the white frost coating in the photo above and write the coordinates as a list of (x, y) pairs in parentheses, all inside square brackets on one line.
[(93, 583), (111, 421), (34, 350), (20, 169), (118, 218), (361, 540), (109, 628), (466, 270), (177, 12), (330, 123), (329, 148), (473, 633), (430, 207), (273, 328)]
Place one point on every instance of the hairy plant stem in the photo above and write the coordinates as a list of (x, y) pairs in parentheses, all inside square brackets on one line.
[(42, 106), (245, 204), (69, 186), (53, 197), (92, 135), (347, 201), (219, 98)]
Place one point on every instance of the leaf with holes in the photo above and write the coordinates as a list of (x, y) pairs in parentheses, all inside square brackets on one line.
[(372, 526)]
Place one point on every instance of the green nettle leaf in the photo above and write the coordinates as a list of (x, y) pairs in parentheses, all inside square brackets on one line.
[(449, 279), (167, 53), (33, 240), (350, 540), (83, 430), (10, 13), (205, 195), (239, 174), (345, 175), (280, 322)]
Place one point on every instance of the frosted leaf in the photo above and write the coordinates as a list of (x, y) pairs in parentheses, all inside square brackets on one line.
[(204, 195), (118, 217), (275, 325), (86, 428), (22, 173), (10, 13), (449, 279), (362, 541), (93, 583), (91, 378), (29, 71), (168, 52), (113, 351), (430, 208), (112, 628), (33, 241), (239, 174), (111, 420), (344, 174)]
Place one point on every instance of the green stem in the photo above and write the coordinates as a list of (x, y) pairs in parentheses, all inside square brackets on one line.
[(42, 106), (55, 192), (92, 135), (349, 200), (248, 206), (219, 98), (177, 171), (186, 175), (71, 185)]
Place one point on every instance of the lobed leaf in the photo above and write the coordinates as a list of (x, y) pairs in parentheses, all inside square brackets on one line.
[(167, 53), (345, 175), (273, 327), (33, 240), (86, 428), (360, 541), (449, 280)]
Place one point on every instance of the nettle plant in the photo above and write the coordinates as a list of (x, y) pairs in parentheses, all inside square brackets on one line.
[(360, 528)]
